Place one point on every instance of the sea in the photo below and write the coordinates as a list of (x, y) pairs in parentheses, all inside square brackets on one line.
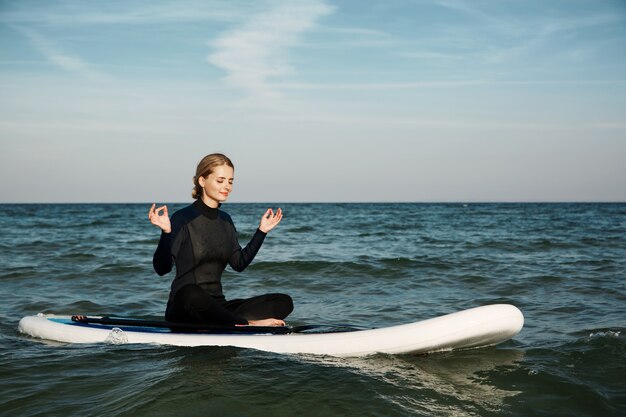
[(372, 265)]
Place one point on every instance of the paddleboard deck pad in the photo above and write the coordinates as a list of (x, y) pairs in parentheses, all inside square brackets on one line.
[(472, 328)]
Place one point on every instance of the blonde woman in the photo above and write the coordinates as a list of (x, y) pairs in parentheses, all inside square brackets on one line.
[(201, 240)]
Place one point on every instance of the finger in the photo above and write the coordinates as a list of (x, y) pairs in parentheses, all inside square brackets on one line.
[(278, 217), (151, 211)]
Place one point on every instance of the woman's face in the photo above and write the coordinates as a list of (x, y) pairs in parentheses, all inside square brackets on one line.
[(217, 186)]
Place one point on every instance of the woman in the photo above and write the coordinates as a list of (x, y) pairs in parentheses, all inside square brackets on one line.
[(201, 240)]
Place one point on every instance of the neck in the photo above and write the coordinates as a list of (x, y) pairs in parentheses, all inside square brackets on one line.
[(210, 212)]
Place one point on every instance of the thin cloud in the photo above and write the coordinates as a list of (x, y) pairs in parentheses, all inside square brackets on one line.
[(59, 58), (379, 86), (437, 84), (256, 52), (525, 31), (353, 37), (71, 13)]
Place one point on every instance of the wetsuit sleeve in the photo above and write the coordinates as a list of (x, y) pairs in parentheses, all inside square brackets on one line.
[(241, 258), (162, 260), (168, 248)]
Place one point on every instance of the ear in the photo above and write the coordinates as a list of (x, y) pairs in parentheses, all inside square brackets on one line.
[(201, 181)]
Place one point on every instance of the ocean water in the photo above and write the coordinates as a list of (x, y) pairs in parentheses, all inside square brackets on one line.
[(563, 265)]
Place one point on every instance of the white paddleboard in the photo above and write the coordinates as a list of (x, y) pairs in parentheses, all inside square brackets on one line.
[(476, 327)]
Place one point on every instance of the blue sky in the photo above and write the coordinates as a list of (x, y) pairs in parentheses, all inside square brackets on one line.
[(419, 100)]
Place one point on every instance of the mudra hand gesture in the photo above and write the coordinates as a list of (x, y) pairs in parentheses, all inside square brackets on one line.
[(270, 219), (160, 218)]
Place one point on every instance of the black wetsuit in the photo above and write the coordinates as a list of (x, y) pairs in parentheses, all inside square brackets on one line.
[(203, 240)]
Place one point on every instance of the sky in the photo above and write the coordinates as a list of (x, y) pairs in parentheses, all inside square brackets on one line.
[(314, 100)]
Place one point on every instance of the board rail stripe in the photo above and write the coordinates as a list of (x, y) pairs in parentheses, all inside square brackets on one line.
[(192, 327)]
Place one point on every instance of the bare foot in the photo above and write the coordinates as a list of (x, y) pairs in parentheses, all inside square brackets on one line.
[(266, 322)]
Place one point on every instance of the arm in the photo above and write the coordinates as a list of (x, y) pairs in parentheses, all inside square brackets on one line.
[(241, 258), (162, 260)]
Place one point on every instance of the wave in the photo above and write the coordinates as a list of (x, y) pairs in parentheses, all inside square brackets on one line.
[(315, 267), (366, 265), (583, 376), (413, 263), (77, 256), (97, 222), (521, 245), (605, 333), (301, 229), (18, 273), (115, 269), (37, 244)]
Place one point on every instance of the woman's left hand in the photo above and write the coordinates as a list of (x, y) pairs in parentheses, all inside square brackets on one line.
[(270, 220)]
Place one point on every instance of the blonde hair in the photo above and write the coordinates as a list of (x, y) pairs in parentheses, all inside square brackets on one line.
[(205, 168)]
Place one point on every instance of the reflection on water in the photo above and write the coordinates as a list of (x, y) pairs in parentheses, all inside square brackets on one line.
[(450, 383)]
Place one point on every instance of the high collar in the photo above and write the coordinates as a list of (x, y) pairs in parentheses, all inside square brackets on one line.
[(207, 211)]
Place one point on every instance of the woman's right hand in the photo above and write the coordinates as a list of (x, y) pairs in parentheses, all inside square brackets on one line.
[(160, 218)]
